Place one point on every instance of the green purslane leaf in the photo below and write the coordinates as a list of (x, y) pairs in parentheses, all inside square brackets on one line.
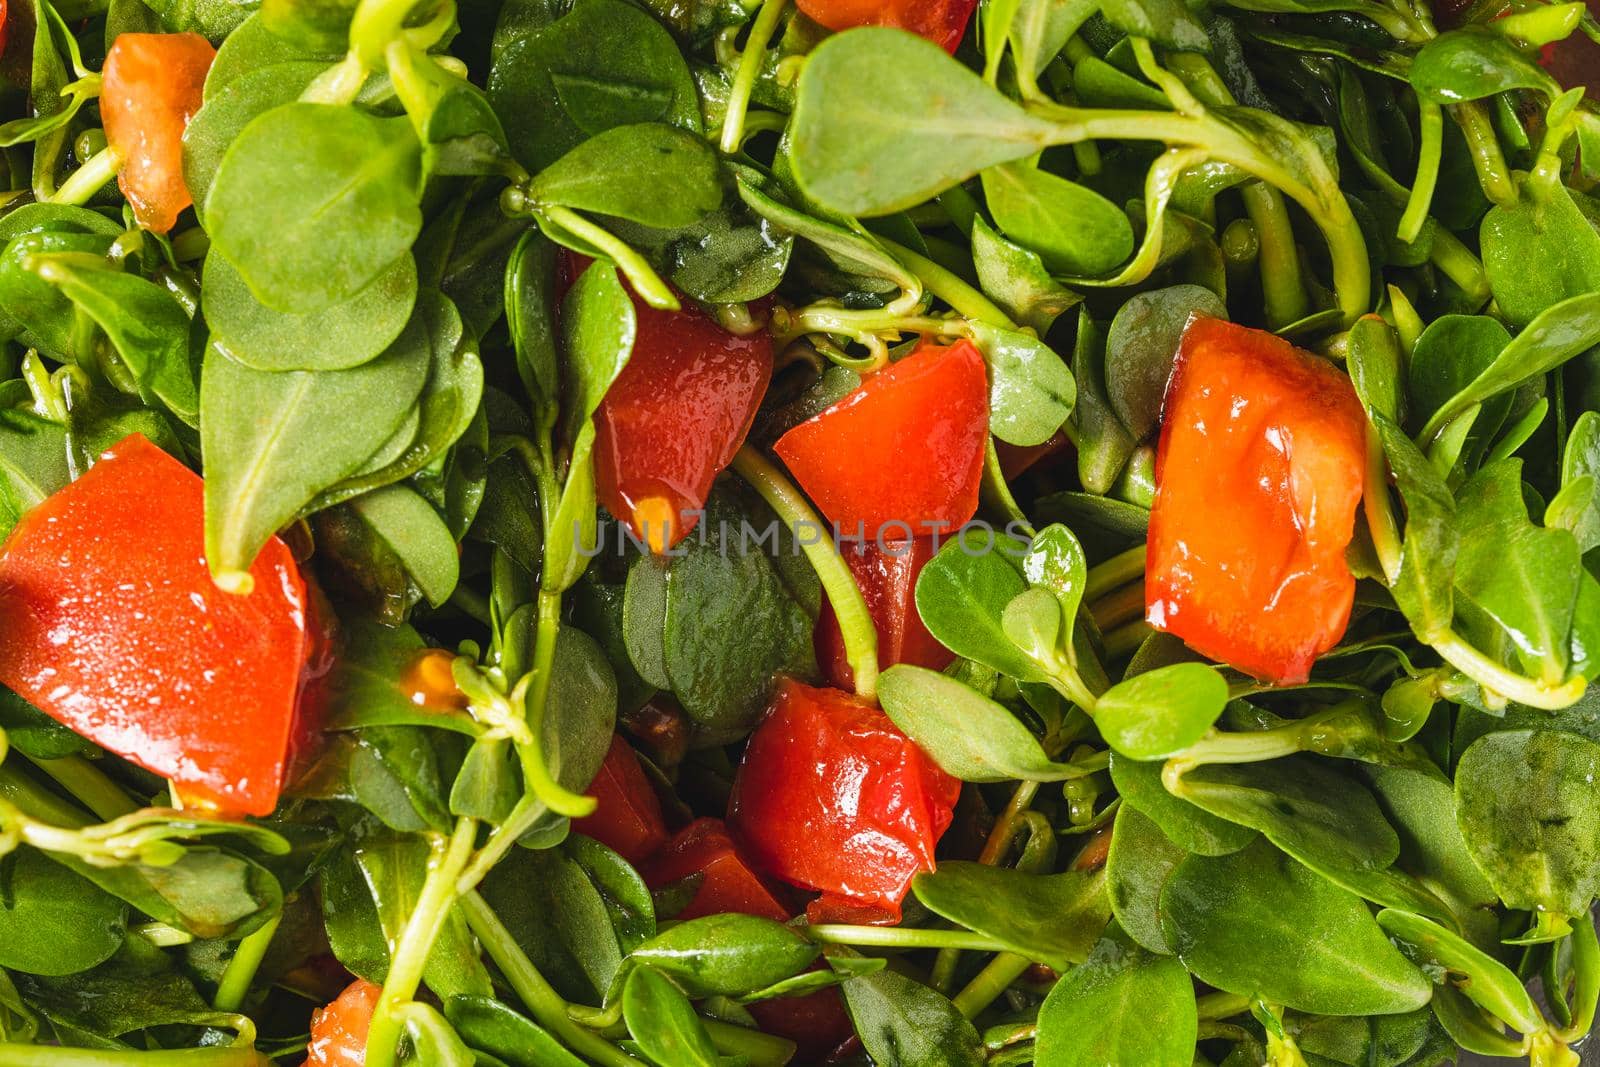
[(1161, 712), (874, 94), (650, 173), (903, 1023), (1530, 820), (303, 187), (257, 478), (1122, 1006), (1052, 918), (1258, 923), (342, 335), (964, 732)]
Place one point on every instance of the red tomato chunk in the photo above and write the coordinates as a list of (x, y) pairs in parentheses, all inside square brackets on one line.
[(831, 796), (114, 627), (150, 90), (674, 418), (902, 456), (339, 1031), (728, 884), (627, 817), (1258, 475), (941, 21), (887, 578)]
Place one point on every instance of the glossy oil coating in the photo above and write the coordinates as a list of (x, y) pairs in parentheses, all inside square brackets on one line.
[(114, 627), (903, 454), (627, 817), (674, 418), (831, 796), (150, 89), (339, 1031), (887, 578), (1258, 475), (941, 21)]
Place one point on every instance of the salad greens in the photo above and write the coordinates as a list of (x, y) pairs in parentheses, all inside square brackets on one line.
[(380, 333)]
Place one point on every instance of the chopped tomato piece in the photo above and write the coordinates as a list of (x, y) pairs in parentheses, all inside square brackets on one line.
[(114, 627), (674, 418), (1575, 61), (941, 21), (1258, 475), (901, 456), (1017, 459), (339, 1031), (728, 884), (887, 577), (832, 796), (5, 25), (817, 1023), (628, 818), (150, 89)]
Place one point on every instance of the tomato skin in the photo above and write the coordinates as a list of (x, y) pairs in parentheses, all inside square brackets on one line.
[(901, 456), (1575, 61), (114, 627), (1259, 472), (817, 1023), (628, 817), (941, 21), (704, 847), (339, 1031), (150, 89), (674, 418), (887, 578), (832, 796)]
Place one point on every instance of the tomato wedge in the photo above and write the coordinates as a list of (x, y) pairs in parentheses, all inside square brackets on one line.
[(627, 817), (831, 796), (941, 21), (150, 88), (114, 627), (339, 1031), (1258, 474), (674, 418), (727, 882), (887, 578), (902, 456)]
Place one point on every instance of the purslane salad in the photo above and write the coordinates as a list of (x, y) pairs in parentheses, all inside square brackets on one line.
[(919, 533)]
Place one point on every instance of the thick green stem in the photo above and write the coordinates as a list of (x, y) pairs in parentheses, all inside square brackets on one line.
[(1126, 638), (968, 302), (83, 183), (1492, 676), (241, 970), (990, 982), (410, 956), (750, 1047), (546, 1006), (1376, 506), (641, 275), (1456, 262), (1122, 606), (1429, 153), (89, 785), (1282, 289), (1114, 573), (855, 621), (1487, 158), (901, 937), (1215, 1006), (535, 768), (744, 80)]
